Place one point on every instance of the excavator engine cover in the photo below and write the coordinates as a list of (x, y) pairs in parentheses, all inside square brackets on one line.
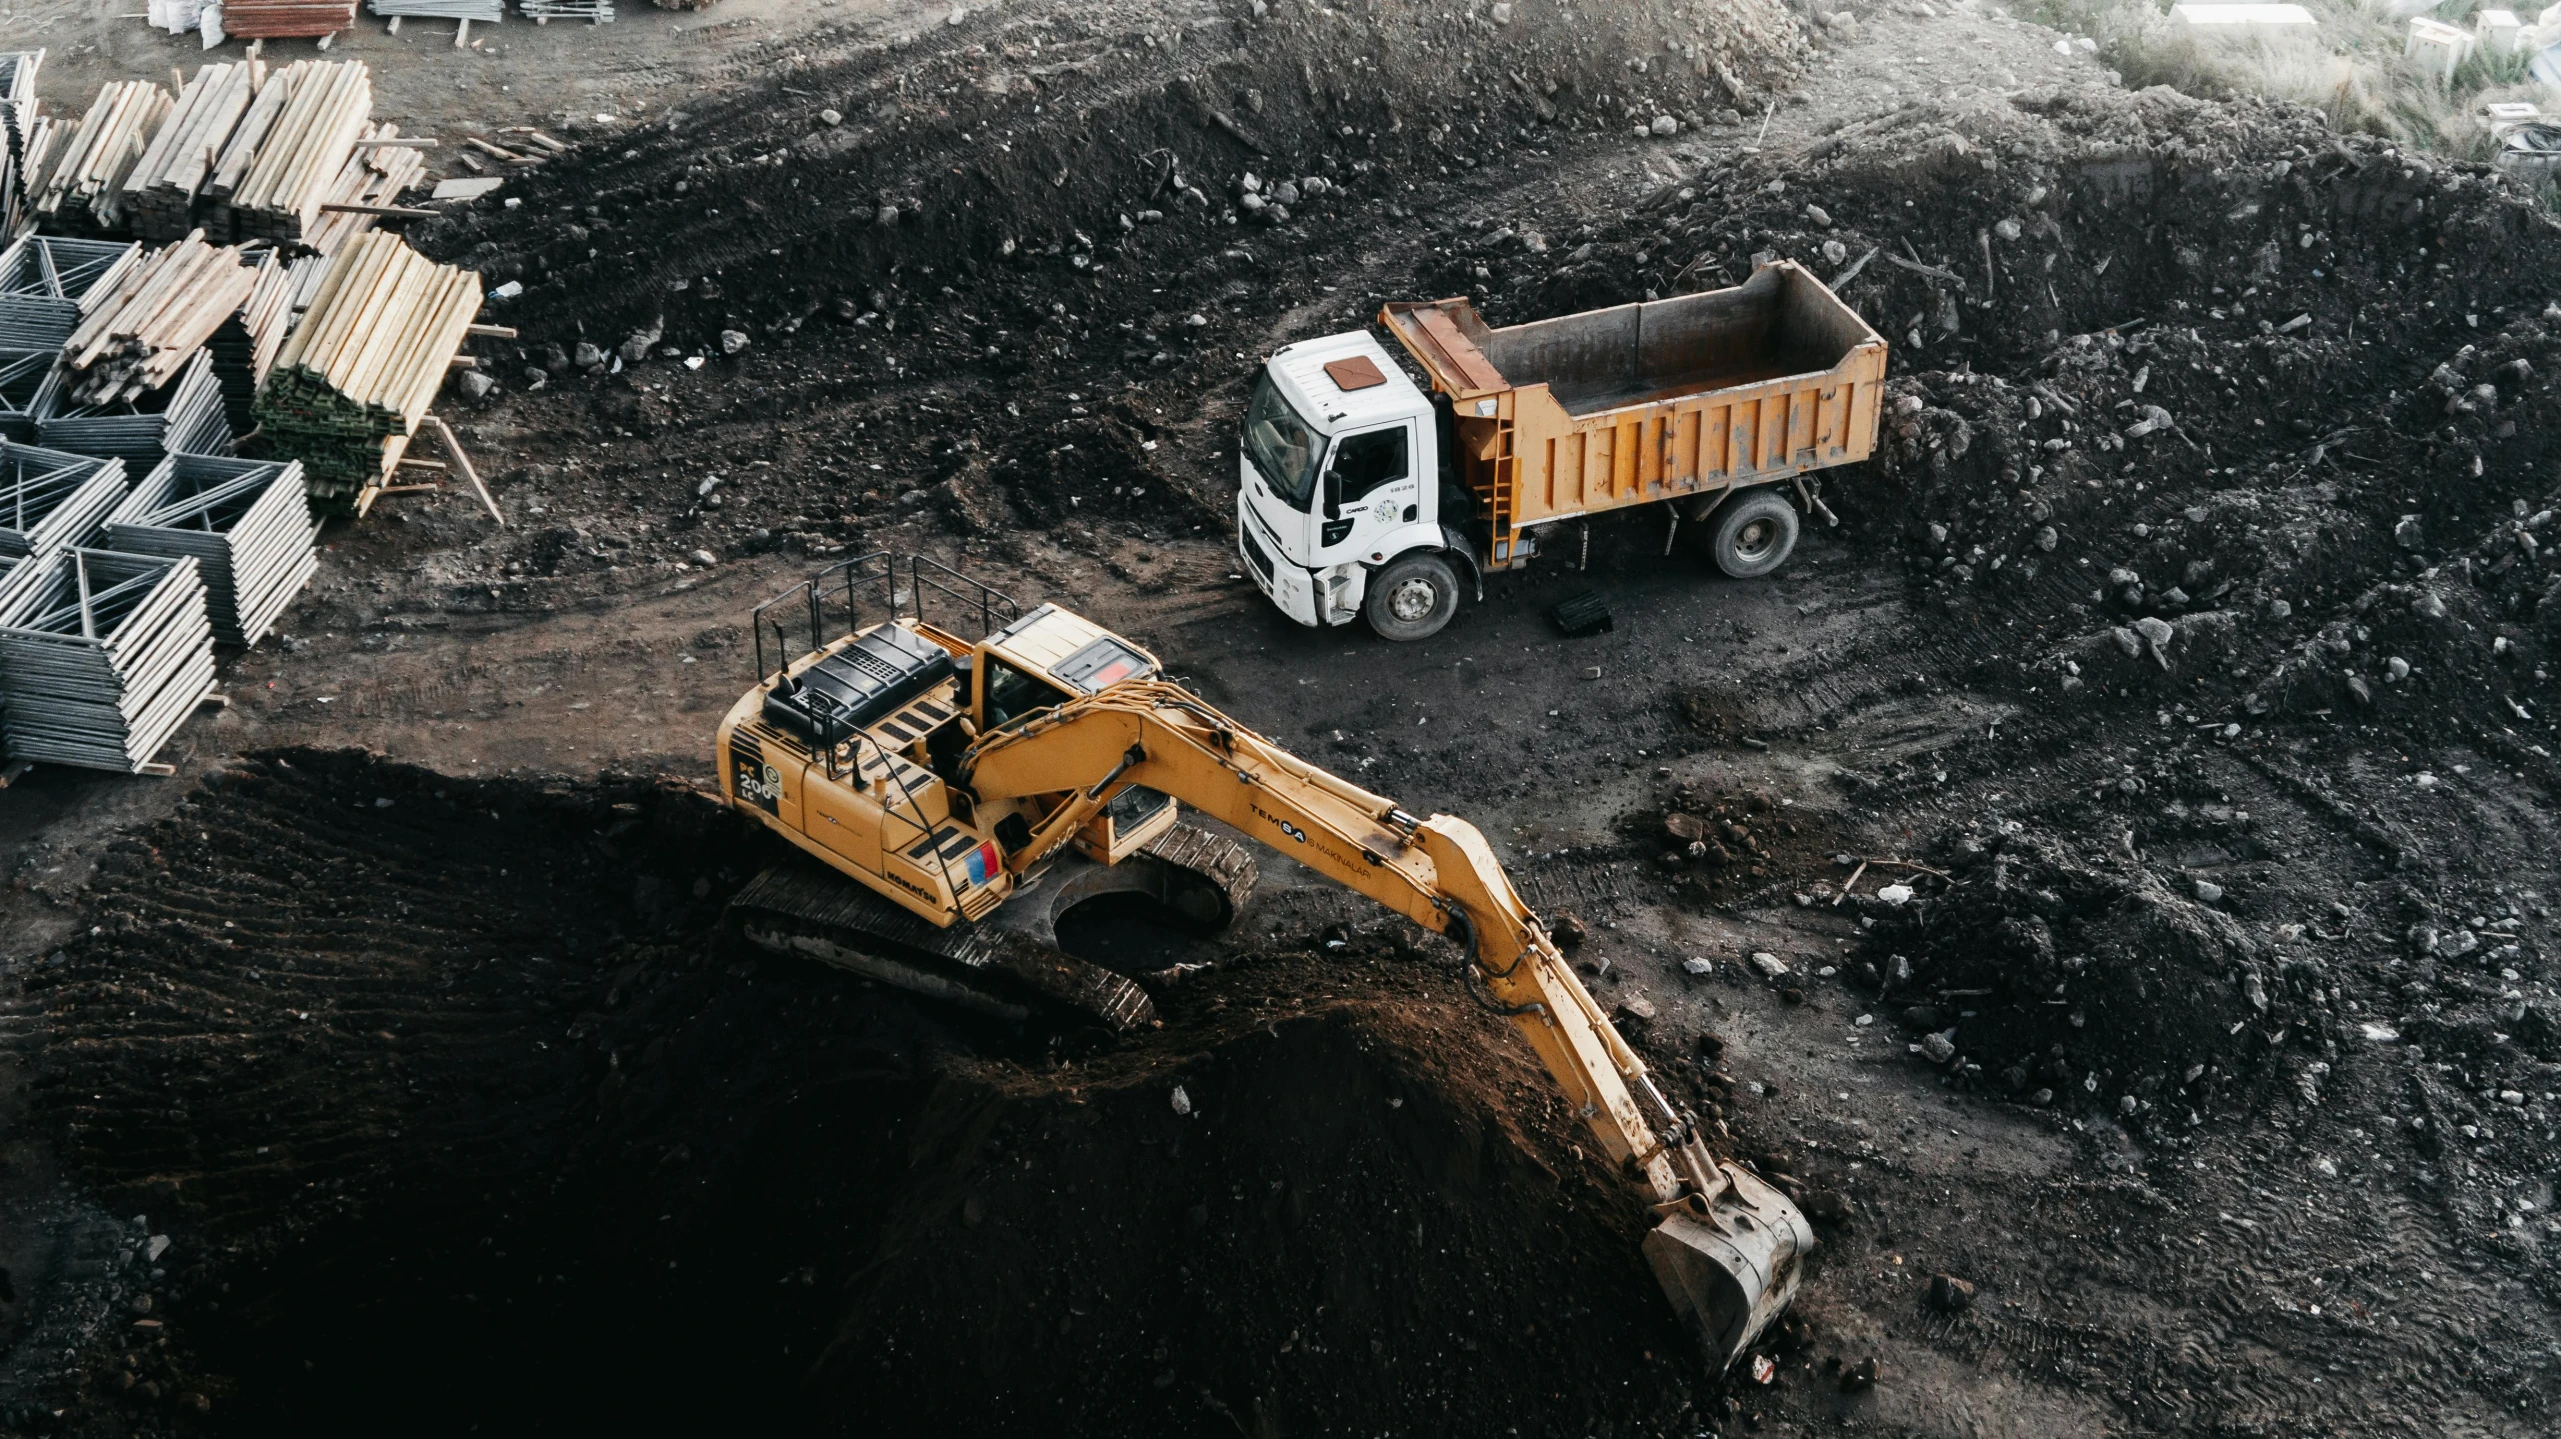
[(832, 700), (1730, 1273)]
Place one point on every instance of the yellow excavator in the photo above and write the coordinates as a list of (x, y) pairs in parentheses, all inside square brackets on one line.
[(973, 791)]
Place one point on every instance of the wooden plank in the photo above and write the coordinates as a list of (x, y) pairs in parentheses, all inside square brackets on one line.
[(454, 448)]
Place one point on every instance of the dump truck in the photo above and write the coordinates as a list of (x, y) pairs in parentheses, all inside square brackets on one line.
[(951, 797), (1358, 495)]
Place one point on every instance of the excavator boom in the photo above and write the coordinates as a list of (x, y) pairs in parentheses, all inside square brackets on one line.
[(1728, 1247), (951, 799)]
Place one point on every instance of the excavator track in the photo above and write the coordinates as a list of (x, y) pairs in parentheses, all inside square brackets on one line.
[(1010, 966)]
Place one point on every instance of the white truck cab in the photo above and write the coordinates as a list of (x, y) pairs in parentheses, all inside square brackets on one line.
[(1338, 491)]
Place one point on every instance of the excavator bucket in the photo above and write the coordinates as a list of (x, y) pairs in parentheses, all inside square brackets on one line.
[(1732, 1270)]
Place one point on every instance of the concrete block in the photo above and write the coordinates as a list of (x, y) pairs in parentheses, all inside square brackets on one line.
[(2499, 31), (2438, 47)]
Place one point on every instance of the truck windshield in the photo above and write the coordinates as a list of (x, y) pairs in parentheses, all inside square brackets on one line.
[(1280, 444)]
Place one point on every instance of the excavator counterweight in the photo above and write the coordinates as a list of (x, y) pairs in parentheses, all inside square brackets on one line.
[(974, 791)]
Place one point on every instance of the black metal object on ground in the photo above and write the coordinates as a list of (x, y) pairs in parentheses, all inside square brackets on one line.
[(1582, 616)]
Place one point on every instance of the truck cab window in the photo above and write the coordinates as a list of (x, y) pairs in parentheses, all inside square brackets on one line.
[(1363, 463), (1013, 693), (1283, 447)]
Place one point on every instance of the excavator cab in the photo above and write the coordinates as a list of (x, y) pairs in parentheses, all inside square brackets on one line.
[(874, 680)]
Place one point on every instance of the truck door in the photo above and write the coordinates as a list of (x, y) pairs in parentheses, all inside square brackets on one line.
[(1370, 487)]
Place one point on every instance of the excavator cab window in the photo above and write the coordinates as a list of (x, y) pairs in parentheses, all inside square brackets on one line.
[(1014, 693)]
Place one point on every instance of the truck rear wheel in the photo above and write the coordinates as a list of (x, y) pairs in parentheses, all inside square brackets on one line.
[(1412, 598), (1754, 535)]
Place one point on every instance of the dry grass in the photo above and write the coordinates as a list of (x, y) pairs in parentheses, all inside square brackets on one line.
[(2351, 68)]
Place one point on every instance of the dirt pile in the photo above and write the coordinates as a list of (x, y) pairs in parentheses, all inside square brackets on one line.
[(453, 1091), (975, 227), (2221, 405), (2047, 973)]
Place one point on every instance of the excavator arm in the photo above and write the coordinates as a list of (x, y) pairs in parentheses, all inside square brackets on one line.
[(1727, 1248)]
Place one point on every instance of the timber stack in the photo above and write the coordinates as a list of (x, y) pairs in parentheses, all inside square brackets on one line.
[(82, 183), (160, 195), (138, 336), (381, 167), (18, 132), (287, 19), (244, 346), (313, 112), (357, 375)]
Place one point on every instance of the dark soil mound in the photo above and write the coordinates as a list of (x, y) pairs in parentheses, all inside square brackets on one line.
[(2060, 974), (462, 1115), (998, 290), (2225, 410)]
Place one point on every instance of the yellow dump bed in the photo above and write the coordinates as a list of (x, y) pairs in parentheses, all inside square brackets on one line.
[(1653, 401)]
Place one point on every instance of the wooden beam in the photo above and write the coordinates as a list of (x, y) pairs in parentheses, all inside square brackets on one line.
[(495, 332), (454, 448), (397, 212)]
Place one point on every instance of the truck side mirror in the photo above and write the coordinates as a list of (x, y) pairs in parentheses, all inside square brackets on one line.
[(1333, 494)]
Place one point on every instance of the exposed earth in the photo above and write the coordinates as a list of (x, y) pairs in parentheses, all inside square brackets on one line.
[(2133, 841)]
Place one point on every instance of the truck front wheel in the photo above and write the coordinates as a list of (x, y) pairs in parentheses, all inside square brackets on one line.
[(1412, 598), (1754, 535)]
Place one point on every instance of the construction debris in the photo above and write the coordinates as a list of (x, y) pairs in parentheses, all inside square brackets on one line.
[(357, 375), (102, 657), (1582, 616), (287, 19), (246, 524), (137, 336), (183, 416), (51, 501), (82, 182)]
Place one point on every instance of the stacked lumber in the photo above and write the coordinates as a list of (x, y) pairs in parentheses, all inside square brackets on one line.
[(246, 524), (102, 657), (18, 86), (244, 346), (136, 337), (279, 195), (543, 12), (370, 182), (46, 283), (356, 376), (50, 501), (183, 416), (486, 11), (160, 194), (19, 168), (287, 19), (21, 134), (83, 179)]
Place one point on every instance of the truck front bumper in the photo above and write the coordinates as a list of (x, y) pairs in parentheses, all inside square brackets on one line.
[(1284, 584)]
